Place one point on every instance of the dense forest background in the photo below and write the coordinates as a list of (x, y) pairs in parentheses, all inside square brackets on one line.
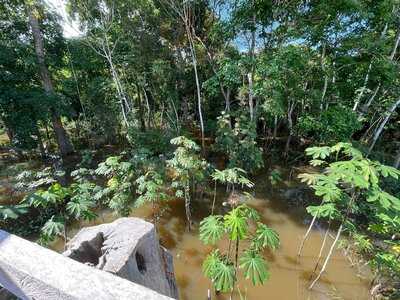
[(249, 81), (306, 72)]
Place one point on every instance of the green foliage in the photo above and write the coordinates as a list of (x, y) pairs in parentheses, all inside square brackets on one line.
[(119, 190), (31, 180), (53, 227), (352, 192), (265, 237), (236, 225), (220, 270), (156, 141), (234, 176), (275, 177), (150, 188), (338, 123), (254, 267), (211, 229), (75, 201), (239, 142), (12, 211), (82, 201), (186, 164)]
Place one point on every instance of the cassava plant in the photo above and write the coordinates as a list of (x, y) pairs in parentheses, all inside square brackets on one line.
[(351, 189), (150, 188), (231, 178), (188, 170), (74, 202), (241, 225), (120, 185), (238, 142)]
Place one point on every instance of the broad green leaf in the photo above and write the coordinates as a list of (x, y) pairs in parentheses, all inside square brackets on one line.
[(318, 152), (308, 178), (389, 171), (12, 211), (385, 199), (211, 229), (254, 267), (224, 276), (236, 224), (211, 263), (54, 226), (324, 210), (266, 237), (317, 162)]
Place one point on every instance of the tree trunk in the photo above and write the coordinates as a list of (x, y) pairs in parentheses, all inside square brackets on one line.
[(325, 80), (321, 107), (250, 76), (140, 106), (187, 206), (306, 235), (391, 57), (396, 45), (198, 95), (382, 125), (120, 92), (359, 96), (290, 125), (148, 108), (396, 163), (321, 250), (328, 257), (10, 134), (40, 143), (371, 99), (275, 127), (228, 101), (63, 142)]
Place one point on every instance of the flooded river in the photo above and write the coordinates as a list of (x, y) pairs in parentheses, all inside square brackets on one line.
[(289, 276)]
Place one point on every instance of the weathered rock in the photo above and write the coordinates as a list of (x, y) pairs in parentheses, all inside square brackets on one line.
[(30, 271), (129, 248)]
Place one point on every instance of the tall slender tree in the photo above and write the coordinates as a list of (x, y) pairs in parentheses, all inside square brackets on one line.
[(62, 138)]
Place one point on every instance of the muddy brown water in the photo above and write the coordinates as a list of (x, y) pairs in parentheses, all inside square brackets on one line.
[(289, 276)]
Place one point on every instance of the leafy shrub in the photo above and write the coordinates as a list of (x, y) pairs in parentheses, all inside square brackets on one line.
[(222, 268), (155, 141), (351, 189), (189, 170), (239, 142), (336, 124)]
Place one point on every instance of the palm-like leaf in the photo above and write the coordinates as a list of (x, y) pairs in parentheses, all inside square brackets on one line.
[(254, 266), (54, 226), (236, 224), (12, 211), (210, 264), (224, 276), (211, 229), (324, 210), (318, 152), (78, 206), (266, 237), (251, 213)]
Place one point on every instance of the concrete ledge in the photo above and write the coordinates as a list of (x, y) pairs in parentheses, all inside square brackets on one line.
[(30, 271)]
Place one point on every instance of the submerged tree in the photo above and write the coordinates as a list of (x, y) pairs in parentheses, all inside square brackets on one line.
[(188, 170), (222, 266), (150, 188), (351, 188)]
